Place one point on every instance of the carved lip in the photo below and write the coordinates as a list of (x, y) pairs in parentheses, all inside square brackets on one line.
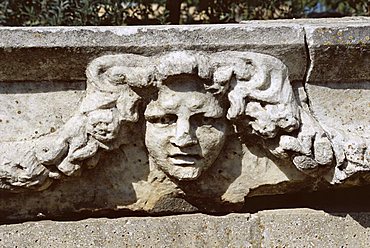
[(184, 158)]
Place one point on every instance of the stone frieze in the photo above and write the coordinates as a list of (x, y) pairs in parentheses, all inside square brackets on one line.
[(186, 104)]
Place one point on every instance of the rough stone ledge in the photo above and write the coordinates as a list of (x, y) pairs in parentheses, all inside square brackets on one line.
[(336, 47), (64, 52), (273, 228)]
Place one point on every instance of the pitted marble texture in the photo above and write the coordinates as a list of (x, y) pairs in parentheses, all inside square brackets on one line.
[(277, 228), (178, 130), (200, 98)]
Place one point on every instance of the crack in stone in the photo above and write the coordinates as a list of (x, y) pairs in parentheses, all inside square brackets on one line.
[(308, 69)]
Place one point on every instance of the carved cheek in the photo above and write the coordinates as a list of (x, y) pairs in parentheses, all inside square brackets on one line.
[(211, 141), (167, 132), (157, 139)]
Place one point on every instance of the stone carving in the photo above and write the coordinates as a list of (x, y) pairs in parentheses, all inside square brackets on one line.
[(190, 101), (185, 129)]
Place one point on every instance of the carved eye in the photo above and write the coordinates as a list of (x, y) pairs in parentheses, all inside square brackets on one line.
[(164, 120), (201, 120), (208, 120)]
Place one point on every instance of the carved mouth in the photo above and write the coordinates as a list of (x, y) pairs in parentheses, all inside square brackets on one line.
[(184, 159)]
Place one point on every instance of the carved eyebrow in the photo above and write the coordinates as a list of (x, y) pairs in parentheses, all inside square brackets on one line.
[(214, 112), (204, 115), (154, 111), (167, 105)]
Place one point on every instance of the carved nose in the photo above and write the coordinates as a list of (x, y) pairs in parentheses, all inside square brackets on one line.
[(183, 140), (183, 136)]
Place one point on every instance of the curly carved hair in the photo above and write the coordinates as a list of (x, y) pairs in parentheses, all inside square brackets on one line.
[(256, 85)]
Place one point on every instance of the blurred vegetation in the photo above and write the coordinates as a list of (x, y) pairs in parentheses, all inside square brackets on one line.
[(144, 12)]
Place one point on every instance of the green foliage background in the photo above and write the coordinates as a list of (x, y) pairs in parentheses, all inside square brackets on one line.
[(144, 12)]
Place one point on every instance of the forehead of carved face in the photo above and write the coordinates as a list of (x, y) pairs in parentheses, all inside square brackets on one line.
[(185, 128)]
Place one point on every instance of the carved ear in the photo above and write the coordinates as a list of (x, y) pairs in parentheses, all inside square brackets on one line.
[(267, 97)]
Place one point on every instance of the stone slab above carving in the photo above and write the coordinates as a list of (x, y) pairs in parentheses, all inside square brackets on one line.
[(195, 118), (62, 53)]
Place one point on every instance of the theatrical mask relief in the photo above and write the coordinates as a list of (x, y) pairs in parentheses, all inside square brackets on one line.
[(186, 106)]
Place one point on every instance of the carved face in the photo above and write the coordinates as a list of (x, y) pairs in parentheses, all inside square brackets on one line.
[(103, 124), (185, 128)]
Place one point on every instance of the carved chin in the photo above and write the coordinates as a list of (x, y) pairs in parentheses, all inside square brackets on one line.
[(183, 173)]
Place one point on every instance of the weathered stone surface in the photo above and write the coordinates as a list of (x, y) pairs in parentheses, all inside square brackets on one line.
[(276, 228), (62, 53), (335, 46), (343, 111), (26, 110), (310, 228), (172, 231), (340, 98), (191, 104), (194, 118)]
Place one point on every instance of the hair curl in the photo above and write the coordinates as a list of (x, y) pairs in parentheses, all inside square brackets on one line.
[(256, 85)]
